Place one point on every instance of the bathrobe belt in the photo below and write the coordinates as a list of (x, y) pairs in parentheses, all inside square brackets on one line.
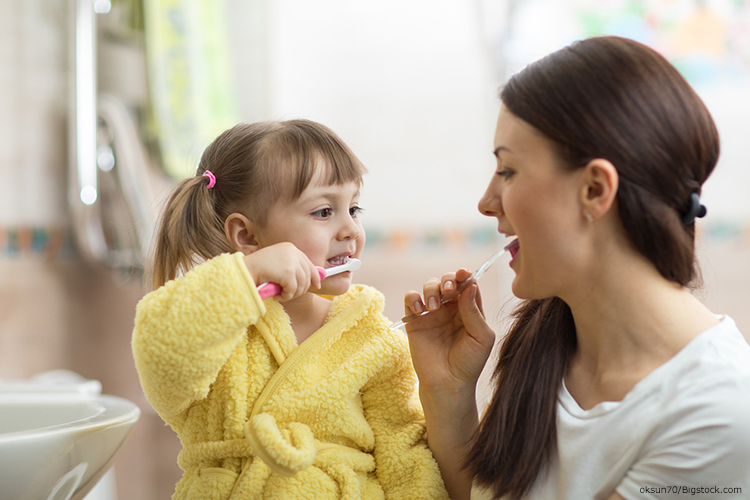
[(285, 451)]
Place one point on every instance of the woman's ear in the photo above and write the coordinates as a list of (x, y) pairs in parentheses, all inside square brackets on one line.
[(240, 232), (599, 190)]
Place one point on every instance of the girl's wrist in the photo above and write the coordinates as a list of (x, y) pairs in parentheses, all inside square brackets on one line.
[(248, 259)]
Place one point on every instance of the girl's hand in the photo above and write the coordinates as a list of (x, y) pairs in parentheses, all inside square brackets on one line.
[(285, 264), (449, 346)]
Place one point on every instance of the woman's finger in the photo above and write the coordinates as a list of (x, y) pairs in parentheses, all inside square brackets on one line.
[(431, 294), (413, 303), (448, 283)]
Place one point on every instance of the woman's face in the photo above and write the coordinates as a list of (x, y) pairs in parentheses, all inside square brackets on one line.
[(535, 197)]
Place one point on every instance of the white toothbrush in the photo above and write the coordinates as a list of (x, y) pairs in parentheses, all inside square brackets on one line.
[(471, 279), (269, 289)]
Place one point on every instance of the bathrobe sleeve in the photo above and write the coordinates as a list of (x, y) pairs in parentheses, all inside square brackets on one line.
[(405, 466), (186, 330)]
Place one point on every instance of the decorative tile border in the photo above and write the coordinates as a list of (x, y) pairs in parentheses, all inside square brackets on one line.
[(412, 239), (25, 241), (427, 239), (56, 242)]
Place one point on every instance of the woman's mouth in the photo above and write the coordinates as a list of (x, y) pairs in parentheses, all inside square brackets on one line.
[(513, 247)]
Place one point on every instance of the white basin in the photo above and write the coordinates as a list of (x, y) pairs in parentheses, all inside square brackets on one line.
[(56, 443)]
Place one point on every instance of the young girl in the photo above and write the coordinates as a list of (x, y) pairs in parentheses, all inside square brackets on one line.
[(614, 380), (308, 395)]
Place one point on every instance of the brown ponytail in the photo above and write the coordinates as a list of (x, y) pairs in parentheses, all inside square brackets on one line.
[(254, 165), (189, 229), (609, 98)]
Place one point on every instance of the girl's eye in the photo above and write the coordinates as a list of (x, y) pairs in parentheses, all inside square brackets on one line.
[(356, 211), (323, 213)]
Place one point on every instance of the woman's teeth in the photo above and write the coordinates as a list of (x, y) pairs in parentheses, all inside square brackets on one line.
[(512, 247)]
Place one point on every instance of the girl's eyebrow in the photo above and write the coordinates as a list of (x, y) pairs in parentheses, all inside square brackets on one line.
[(329, 194)]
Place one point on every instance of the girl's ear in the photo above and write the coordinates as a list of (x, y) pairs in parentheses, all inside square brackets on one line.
[(599, 189), (240, 232)]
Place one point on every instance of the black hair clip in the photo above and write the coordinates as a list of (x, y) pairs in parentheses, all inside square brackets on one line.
[(696, 210)]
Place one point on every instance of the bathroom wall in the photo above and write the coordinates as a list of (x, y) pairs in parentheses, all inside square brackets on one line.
[(33, 224), (57, 311)]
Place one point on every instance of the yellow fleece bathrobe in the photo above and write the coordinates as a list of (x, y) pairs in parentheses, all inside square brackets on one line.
[(261, 417)]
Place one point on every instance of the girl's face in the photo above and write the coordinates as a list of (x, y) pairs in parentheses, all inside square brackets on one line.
[(535, 197), (324, 224)]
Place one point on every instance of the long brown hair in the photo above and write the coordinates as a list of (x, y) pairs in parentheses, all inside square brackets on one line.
[(616, 99), (255, 165)]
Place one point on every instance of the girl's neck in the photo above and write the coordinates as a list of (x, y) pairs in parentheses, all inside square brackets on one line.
[(307, 314)]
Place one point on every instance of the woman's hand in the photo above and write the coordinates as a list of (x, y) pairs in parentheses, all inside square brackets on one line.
[(286, 265), (449, 346)]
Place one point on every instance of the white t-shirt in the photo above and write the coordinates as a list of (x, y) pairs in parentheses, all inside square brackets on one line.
[(682, 431)]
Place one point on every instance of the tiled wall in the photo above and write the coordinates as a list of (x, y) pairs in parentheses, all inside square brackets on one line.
[(55, 310)]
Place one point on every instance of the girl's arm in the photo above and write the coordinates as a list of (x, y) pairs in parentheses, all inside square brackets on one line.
[(449, 348), (186, 330)]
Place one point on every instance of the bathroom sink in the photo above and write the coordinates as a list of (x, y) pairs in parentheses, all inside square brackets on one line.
[(56, 443)]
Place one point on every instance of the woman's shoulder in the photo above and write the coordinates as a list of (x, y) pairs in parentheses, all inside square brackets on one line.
[(710, 384), (719, 355)]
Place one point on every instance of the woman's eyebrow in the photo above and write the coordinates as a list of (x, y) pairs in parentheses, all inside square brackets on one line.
[(501, 148)]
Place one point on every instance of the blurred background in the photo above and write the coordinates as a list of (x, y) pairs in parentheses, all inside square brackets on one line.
[(104, 104)]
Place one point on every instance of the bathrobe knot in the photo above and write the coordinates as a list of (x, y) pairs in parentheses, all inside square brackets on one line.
[(286, 451), (206, 453)]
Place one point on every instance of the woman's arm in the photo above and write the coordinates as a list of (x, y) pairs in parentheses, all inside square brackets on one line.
[(451, 420), (449, 348)]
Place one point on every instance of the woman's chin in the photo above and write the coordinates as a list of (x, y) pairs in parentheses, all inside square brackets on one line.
[(521, 291)]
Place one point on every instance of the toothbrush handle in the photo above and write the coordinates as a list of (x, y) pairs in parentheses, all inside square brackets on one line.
[(461, 287), (269, 289)]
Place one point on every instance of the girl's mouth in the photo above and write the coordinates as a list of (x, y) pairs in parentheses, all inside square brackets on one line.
[(339, 260), (513, 247)]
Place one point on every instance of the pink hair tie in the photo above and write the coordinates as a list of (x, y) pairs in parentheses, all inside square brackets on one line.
[(211, 178)]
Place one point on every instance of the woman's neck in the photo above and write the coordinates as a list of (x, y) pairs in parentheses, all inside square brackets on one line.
[(307, 314), (629, 321)]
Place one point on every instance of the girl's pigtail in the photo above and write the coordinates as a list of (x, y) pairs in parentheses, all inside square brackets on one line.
[(190, 229)]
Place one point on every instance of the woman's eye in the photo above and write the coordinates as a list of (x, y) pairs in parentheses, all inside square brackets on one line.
[(356, 211), (504, 173), (323, 213)]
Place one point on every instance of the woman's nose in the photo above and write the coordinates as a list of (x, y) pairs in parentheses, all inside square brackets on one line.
[(490, 204)]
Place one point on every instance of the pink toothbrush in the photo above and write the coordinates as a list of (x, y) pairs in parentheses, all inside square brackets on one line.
[(271, 289)]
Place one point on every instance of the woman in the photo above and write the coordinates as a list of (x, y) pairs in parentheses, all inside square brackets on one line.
[(614, 381)]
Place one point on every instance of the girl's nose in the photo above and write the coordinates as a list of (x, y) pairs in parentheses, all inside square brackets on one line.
[(349, 230)]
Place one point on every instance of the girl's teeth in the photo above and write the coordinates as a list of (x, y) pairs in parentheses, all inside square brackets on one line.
[(338, 261)]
